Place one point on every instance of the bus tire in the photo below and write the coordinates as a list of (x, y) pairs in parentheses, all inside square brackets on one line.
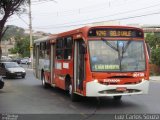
[(117, 98), (73, 96), (44, 84), (23, 76)]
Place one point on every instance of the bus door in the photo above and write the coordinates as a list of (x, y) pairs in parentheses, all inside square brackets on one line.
[(37, 61), (52, 63), (79, 64)]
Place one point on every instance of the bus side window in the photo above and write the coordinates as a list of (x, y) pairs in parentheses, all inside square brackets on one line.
[(68, 42), (41, 50), (59, 49), (64, 48), (59, 54)]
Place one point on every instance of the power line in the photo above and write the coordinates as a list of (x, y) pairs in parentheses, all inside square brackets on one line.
[(119, 13), (22, 20), (124, 18), (42, 1), (79, 10)]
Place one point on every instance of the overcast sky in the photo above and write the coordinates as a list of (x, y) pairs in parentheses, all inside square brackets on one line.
[(60, 15)]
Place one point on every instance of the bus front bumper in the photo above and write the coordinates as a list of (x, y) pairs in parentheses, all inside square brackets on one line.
[(95, 89)]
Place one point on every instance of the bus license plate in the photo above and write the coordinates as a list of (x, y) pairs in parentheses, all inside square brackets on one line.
[(121, 89)]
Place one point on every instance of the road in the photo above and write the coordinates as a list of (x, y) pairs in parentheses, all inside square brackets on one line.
[(26, 96)]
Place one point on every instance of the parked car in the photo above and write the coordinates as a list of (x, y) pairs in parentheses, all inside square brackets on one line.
[(18, 60), (1, 82), (11, 70), (6, 58), (24, 61)]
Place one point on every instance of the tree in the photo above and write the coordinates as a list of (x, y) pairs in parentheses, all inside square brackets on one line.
[(7, 9), (21, 46), (12, 32), (154, 42)]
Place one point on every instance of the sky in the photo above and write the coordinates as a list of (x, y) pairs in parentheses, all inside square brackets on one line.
[(55, 16)]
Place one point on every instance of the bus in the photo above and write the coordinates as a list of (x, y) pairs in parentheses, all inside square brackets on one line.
[(94, 61)]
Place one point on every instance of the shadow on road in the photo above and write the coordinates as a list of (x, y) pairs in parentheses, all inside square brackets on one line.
[(87, 102)]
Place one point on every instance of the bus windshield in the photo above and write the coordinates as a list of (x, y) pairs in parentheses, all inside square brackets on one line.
[(117, 55)]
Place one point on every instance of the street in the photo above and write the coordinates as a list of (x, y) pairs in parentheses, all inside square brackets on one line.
[(77, 49), (27, 96)]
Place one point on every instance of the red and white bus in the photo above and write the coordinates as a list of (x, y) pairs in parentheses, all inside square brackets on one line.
[(94, 61)]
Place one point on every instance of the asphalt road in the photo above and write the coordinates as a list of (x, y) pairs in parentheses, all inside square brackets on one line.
[(27, 96)]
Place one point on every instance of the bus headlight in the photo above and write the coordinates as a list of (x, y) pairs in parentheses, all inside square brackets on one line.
[(96, 81), (142, 79)]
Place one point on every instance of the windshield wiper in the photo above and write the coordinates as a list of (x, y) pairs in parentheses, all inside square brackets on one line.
[(109, 44), (116, 49), (126, 47)]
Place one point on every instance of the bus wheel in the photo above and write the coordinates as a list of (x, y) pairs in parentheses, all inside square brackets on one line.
[(44, 84), (117, 98), (73, 96)]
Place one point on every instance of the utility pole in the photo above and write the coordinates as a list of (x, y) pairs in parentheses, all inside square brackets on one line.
[(30, 29)]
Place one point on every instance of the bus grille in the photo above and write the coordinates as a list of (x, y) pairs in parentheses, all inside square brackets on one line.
[(114, 91), (126, 83)]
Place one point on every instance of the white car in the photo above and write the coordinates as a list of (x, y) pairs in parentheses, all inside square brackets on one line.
[(11, 70), (24, 61)]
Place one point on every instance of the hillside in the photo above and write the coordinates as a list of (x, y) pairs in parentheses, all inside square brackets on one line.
[(12, 32)]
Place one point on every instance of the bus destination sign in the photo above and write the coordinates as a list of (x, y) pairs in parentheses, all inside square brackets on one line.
[(115, 33)]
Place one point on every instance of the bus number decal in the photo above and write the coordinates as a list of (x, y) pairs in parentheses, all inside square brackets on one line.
[(101, 33)]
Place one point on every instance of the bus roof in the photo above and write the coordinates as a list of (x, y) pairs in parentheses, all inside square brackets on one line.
[(47, 38), (87, 28), (84, 30)]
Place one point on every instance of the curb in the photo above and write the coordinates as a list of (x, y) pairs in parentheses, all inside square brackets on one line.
[(155, 78)]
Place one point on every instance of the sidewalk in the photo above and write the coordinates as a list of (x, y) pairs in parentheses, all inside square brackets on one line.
[(154, 78)]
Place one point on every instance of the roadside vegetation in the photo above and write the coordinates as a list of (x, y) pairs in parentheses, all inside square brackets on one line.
[(21, 46), (7, 9), (154, 41)]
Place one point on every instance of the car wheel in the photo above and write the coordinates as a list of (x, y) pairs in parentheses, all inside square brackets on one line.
[(1, 82), (117, 98), (7, 75), (23, 76)]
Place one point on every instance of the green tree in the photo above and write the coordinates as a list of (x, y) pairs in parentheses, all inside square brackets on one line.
[(13, 31), (21, 46), (155, 57), (7, 9), (154, 42)]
